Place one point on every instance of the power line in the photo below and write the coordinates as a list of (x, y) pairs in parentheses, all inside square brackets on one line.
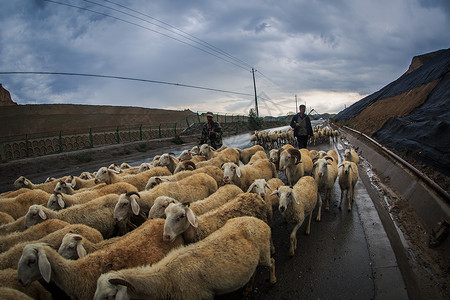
[(155, 31), (127, 78)]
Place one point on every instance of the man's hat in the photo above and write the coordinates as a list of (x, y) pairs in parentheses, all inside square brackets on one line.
[(302, 106), (209, 114)]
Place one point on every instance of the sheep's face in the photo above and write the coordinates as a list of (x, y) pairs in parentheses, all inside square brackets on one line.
[(111, 286), (159, 207), (102, 175), (321, 167), (286, 195), (144, 167), (178, 219), (185, 155), (180, 167), (86, 176), (35, 215), (22, 182), (230, 170), (29, 267), (346, 167), (63, 188), (258, 187), (153, 182), (286, 160), (205, 150), (55, 202), (164, 160), (72, 246), (123, 209), (274, 155)]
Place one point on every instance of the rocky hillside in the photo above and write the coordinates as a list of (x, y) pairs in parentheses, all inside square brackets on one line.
[(5, 97), (411, 115)]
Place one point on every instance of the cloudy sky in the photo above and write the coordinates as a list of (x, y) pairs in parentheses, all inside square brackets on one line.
[(199, 54)]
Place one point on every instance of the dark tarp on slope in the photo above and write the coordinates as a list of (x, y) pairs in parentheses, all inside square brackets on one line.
[(425, 132), (435, 68)]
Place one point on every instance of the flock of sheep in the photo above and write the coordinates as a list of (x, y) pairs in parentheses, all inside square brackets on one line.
[(186, 227)]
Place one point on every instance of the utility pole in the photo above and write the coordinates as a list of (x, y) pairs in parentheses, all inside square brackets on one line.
[(256, 97), (296, 106)]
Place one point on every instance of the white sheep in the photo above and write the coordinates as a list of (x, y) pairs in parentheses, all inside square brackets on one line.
[(190, 155), (86, 175), (58, 201), (77, 183), (167, 160), (227, 155), (75, 246), (23, 182), (227, 259), (296, 204), (351, 155), (274, 155), (97, 213), (246, 154), (347, 182), (216, 199), (325, 174), (296, 163), (181, 220), (31, 234), (10, 258), (189, 189), (18, 206), (77, 278), (244, 176), (138, 180)]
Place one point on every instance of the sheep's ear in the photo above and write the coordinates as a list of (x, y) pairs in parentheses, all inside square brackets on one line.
[(113, 171), (191, 217), (73, 182), (42, 214), (124, 283), (211, 148), (81, 251), (274, 193), (122, 293), (61, 202), (135, 206), (353, 168), (268, 186), (340, 165), (251, 187), (44, 266), (238, 172), (295, 197)]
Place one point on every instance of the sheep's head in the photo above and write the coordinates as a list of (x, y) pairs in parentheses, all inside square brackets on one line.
[(230, 170), (185, 155), (111, 286), (124, 165), (166, 159), (126, 206), (274, 155), (195, 150), (72, 246), (114, 167), (184, 165), (159, 207), (347, 167), (145, 167), (289, 157), (64, 188), (33, 264), (206, 150), (259, 187), (22, 182), (86, 176), (321, 166), (49, 179), (286, 195), (154, 181), (35, 215), (104, 175), (179, 217), (56, 201)]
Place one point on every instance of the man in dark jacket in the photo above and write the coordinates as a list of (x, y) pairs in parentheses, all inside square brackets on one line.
[(302, 127), (211, 132)]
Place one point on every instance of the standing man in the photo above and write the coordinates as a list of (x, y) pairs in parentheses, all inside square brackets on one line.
[(302, 127), (211, 132)]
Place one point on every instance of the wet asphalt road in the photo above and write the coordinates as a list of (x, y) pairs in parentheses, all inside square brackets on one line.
[(333, 262)]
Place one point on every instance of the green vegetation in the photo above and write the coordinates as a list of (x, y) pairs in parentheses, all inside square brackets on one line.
[(177, 140), (254, 122), (84, 157), (141, 147)]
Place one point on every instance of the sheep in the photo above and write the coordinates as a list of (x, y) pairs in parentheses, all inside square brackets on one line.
[(77, 183), (347, 182), (296, 163), (296, 204), (75, 246), (12, 194), (18, 206), (10, 288), (77, 278), (246, 154), (58, 201), (227, 259), (138, 180), (221, 196), (181, 220), (5, 218), (325, 174), (258, 155), (244, 176), (331, 153), (9, 282), (189, 155), (274, 155), (31, 234), (10, 258), (23, 182), (17, 225), (86, 176), (168, 161), (259, 187), (97, 213), (351, 155), (226, 155), (184, 165), (213, 171), (189, 189)]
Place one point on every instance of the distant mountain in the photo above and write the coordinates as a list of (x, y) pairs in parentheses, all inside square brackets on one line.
[(5, 97), (411, 114)]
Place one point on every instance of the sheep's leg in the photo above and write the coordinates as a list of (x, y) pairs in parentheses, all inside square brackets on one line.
[(342, 198), (319, 211), (308, 228), (272, 247), (328, 195), (327, 207), (272, 277), (349, 198), (293, 239), (249, 286)]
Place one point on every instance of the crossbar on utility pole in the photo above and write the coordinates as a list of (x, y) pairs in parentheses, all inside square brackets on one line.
[(256, 97)]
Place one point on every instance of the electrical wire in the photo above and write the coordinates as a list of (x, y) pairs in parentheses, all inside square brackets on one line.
[(127, 78)]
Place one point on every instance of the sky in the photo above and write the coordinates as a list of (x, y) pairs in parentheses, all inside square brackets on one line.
[(199, 54)]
